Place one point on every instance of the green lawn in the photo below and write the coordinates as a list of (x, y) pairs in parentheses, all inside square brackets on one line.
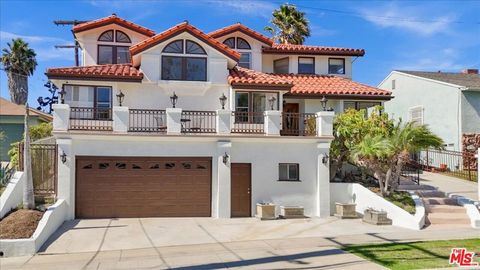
[(414, 255)]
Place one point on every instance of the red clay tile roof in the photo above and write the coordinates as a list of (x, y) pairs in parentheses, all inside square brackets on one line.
[(305, 85), (112, 19), (307, 49), (241, 28), (117, 72), (180, 28)]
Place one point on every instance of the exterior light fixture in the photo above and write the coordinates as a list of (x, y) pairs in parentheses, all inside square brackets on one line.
[(63, 157), (174, 99), (225, 158), (120, 97), (325, 158), (223, 101), (62, 95), (323, 101), (271, 102)]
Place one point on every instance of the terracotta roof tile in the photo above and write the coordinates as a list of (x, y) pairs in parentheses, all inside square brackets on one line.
[(179, 28), (112, 19), (302, 84), (308, 49), (117, 72), (242, 28)]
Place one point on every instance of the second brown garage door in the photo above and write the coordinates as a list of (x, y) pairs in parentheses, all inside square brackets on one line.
[(109, 187)]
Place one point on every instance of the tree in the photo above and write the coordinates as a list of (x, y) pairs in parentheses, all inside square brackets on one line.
[(37, 132), (19, 62), (289, 25), (48, 101), (28, 197)]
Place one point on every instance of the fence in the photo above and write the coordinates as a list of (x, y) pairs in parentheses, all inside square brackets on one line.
[(141, 120), (248, 122), (88, 118), (198, 121), (298, 124), (454, 163), (44, 167)]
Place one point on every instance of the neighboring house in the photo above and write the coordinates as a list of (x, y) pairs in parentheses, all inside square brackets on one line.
[(449, 103), (12, 118), (145, 158)]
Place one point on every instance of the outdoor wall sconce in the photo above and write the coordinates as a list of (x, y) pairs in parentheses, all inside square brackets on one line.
[(174, 99), (63, 157), (225, 158), (62, 96), (271, 102), (120, 97), (223, 101), (325, 159), (323, 101)]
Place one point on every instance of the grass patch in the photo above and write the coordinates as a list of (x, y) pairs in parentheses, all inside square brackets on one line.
[(414, 255), (401, 199)]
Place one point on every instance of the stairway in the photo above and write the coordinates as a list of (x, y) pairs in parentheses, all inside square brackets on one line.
[(441, 211)]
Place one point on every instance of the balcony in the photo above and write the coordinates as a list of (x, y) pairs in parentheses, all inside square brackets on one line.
[(175, 121)]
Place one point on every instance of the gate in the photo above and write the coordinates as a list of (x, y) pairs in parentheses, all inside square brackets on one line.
[(44, 167)]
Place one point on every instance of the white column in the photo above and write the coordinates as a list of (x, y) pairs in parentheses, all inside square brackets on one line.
[(224, 121), (61, 117), (272, 120), (478, 173), (224, 179), (323, 180), (174, 125), (66, 176), (325, 123), (120, 119)]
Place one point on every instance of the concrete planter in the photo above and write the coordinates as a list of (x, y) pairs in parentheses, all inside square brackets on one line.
[(265, 211), (292, 212), (345, 210), (376, 217)]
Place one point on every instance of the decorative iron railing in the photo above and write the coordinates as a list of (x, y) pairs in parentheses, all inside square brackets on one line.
[(44, 167), (248, 122), (198, 121), (88, 118), (298, 124), (145, 120)]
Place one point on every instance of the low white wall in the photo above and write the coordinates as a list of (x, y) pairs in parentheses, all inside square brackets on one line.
[(50, 222), (364, 198), (12, 196), (471, 207)]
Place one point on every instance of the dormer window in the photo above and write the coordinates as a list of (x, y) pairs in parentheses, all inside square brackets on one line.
[(184, 60), (109, 52), (242, 46)]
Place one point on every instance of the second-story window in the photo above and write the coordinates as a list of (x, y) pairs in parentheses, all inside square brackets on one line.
[(306, 65), (280, 66), (243, 47), (109, 52), (178, 65), (336, 66)]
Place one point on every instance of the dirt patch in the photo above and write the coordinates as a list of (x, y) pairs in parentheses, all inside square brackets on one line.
[(20, 224)]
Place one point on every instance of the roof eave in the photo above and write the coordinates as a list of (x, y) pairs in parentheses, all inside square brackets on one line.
[(92, 78), (270, 51), (340, 96)]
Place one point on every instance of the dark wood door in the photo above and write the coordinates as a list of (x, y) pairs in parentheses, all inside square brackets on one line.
[(109, 187), (241, 188), (290, 124)]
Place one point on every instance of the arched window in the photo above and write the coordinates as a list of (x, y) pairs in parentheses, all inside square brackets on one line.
[(194, 48), (174, 47), (106, 36), (181, 67), (122, 37), (243, 44), (230, 42)]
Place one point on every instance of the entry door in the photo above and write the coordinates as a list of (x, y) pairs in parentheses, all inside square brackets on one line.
[(241, 189), (291, 125)]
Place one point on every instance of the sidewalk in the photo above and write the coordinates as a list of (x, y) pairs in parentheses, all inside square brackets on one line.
[(450, 185)]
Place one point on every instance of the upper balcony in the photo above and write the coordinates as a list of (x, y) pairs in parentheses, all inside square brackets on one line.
[(175, 121)]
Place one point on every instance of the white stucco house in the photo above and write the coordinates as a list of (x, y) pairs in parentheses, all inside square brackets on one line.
[(185, 124), (449, 103)]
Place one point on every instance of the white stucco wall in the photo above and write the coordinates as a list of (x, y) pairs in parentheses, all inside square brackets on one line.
[(256, 49), (440, 102), (12, 196), (471, 111)]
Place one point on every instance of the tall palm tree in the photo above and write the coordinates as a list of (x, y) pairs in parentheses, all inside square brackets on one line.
[(19, 62), (289, 25)]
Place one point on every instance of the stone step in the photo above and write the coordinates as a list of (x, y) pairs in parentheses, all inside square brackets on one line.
[(448, 218), (431, 193), (439, 201), (444, 209)]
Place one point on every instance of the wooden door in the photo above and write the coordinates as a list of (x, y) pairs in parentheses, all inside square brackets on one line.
[(241, 188), (290, 122)]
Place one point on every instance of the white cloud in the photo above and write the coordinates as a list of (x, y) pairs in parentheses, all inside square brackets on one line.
[(7, 36), (247, 7), (407, 18)]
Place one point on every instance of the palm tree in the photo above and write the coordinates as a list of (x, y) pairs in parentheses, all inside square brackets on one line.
[(289, 25), (19, 62)]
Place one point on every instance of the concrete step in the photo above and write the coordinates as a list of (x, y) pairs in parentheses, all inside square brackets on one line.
[(448, 218), (446, 226), (439, 201), (431, 193), (415, 187), (444, 209)]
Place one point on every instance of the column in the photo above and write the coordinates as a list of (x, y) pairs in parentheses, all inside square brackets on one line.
[(325, 123), (323, 179), (174, 124), (61, 117), (224, 179), (120, 119), (223, 121), (66, 176), (272, 120)]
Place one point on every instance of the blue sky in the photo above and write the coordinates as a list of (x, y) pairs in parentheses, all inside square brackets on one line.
[(416, 35)]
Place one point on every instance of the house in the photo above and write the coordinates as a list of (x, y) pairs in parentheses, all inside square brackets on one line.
[(12, 118), (449, 103), (183, 123)]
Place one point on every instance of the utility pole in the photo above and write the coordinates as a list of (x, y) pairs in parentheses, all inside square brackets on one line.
[(76, 46)]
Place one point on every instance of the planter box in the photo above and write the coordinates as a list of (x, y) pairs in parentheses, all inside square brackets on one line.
[(291, 212), (345, 210), (265, 211), (376, 217)]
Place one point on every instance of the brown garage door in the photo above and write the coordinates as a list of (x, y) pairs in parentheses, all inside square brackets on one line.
[(143, 187)]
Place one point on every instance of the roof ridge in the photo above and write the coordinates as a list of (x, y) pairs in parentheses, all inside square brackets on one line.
[(112, 19), (242, 28)]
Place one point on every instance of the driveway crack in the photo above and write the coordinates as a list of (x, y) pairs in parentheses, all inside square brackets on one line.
[(153, 245), (99, 247)]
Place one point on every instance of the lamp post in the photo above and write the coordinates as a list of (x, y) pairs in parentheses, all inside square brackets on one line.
[(62, 95), (174, 99), (271, 102), (120, 97), (223, 100), (323, 101)]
